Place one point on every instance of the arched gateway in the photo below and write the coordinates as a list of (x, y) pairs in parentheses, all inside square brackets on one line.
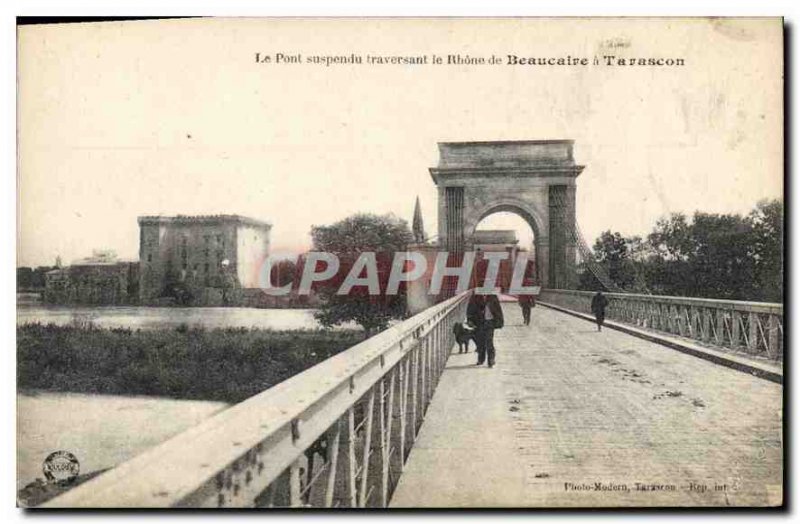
[(533, 178)]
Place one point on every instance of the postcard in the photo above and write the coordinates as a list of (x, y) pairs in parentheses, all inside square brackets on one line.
[(400, 263)]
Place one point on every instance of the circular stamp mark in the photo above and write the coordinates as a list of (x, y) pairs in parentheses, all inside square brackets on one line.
[(61, 466)]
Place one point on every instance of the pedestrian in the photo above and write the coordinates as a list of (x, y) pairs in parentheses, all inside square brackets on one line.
[(526, 303), (491, 319), (599, 303), (475, 318)]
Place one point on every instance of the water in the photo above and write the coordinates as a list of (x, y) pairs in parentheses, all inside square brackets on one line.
[(100, 430), (136, 317)]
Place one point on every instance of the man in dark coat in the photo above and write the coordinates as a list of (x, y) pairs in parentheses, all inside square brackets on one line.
[(599, 303), (526, 303), (488, 317), (475, 309)]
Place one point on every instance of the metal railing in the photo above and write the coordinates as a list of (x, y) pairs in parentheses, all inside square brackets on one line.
[(335, 435), (753, 327)]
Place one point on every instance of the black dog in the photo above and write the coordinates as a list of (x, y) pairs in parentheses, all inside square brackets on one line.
[(464, 333)]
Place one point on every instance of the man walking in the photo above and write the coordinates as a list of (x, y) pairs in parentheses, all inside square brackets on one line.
[(599, 303), (526, 303), (475, 318), (491, 319)]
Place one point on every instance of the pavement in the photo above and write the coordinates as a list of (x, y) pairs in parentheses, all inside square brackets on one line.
[(570, 417)]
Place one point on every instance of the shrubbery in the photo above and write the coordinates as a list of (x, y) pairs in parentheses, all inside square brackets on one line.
[(190, 363)]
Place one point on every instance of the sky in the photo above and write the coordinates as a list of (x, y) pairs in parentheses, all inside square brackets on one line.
[(122, 119)]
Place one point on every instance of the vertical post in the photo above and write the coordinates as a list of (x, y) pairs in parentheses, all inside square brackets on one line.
[(414, 390), (351, 457), (772, 344), (333, 453), (423, 376), (428, 371), (752, 339), (736, 318), (387, 446), (774, 339), (677, 319), (437, 354), (382, 443), (720, 335), (362, 494), (706, 324), (294, 485), (435, 357), (434, 360), (445, 347), (403, 408), (694, 323)]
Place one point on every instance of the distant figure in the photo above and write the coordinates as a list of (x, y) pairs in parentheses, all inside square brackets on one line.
[(526, 302), (489, 316), (599, 303)]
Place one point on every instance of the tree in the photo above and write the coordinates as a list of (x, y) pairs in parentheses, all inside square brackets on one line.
[(613, 252), (667, 269), (724, 256), (767, 223), (24, 278), (722, 263), (348, 239), (671, 237)]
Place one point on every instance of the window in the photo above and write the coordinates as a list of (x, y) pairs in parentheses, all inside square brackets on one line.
[(149, 257), (206, 267)]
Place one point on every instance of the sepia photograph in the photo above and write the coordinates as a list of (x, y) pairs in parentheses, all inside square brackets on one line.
[(400, 263)]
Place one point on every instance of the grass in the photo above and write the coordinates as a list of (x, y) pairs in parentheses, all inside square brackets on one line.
[(227, 365)]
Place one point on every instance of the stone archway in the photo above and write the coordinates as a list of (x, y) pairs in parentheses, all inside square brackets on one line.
[(534, 179), (522, 210)]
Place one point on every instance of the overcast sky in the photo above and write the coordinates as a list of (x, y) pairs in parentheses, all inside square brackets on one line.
[(118, 120)]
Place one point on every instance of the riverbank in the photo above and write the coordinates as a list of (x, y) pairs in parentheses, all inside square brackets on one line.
[(100, 430), (222, 364)]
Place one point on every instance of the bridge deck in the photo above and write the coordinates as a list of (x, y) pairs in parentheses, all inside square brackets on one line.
[(565, 404)]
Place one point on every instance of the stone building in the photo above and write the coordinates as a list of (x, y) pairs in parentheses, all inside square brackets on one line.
[(99, 280), (494, 240), (202, 260)]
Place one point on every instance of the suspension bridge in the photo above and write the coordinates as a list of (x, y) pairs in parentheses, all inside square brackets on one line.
[(678, 402)]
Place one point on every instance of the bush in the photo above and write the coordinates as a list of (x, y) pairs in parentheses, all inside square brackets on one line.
[(220, 364)]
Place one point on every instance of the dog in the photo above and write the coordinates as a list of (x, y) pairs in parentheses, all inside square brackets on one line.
[(464, 332)]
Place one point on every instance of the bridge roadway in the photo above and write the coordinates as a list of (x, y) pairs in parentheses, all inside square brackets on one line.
[(565, 404)]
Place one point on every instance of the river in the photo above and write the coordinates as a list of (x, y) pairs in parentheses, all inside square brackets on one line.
[(136, 317)]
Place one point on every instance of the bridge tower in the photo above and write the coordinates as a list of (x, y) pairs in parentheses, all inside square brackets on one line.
[(536, 179)]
